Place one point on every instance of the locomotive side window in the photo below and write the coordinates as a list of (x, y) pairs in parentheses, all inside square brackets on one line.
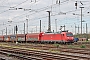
[(69, 34)]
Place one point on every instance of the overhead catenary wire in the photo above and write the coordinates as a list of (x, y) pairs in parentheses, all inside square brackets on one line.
[(44, 17), (42, 9), (36, 11), (13, 6)]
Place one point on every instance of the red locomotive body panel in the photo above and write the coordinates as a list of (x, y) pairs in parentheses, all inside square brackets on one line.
[(58, 37), (51, 36), (32, 37)]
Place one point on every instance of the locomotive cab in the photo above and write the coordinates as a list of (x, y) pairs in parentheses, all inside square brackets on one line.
[(70, 37), (67, 36)]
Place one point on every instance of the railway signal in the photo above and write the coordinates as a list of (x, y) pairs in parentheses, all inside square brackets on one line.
[(16, 34), (76, 4), (16, 28)]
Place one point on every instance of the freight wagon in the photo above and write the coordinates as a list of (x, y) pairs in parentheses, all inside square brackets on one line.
[(1, 38)]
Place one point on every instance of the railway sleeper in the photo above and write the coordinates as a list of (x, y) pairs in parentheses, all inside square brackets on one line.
[(88, 53), (50, 56), (2, 58), (48, 59), (76, 51), (61, 57), (80, 52), (76, 56), (5, 53), (31, 57), (20, 56)]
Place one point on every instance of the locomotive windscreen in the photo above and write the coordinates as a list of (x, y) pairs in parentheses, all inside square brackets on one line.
[(69, 34)]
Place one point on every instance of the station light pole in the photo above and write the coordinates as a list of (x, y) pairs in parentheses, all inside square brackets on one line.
[(16, 34), (27, 26), (40, 25), (75, 28), (86, 32), (81, 19), (49, 22), (56, 24), (86, 29), (64, 27), (2, 32), (6, 30), (78, 29), (24, 28)]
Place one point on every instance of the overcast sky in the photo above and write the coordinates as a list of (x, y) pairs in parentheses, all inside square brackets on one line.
[(36, 10)]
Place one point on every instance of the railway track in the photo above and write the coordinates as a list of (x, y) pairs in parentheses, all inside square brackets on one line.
[(42, 52), (81, 42), (64, 54)]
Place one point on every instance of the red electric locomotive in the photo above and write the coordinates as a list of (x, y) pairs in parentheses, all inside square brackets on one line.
[(51, 37)]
